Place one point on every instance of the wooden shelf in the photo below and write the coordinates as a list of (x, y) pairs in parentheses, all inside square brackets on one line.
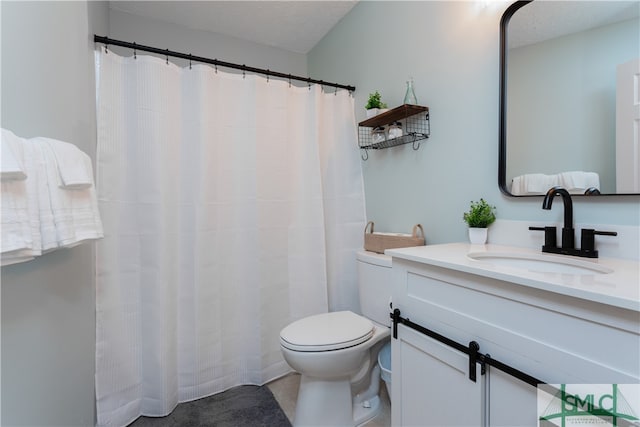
[(393, 115), (416, 127)]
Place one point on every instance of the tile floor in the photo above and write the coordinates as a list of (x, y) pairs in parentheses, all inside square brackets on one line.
[(285, 390)]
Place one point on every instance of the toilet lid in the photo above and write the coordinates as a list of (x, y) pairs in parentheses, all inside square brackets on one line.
[(326, 332)]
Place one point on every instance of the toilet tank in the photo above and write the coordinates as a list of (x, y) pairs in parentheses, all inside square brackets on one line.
[(374, 286)]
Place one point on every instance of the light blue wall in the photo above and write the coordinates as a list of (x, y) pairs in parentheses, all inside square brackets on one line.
[(48, 305), (451, 48)]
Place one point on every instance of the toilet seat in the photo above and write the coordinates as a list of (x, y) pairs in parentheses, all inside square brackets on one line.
[(327, 332)]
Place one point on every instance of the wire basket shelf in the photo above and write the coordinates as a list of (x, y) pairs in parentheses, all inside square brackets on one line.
[(414, 120)]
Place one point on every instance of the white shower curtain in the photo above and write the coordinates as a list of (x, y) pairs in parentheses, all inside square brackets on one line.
[(232, 205)]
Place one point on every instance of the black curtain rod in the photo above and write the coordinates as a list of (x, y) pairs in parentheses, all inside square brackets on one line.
[(166, 52)]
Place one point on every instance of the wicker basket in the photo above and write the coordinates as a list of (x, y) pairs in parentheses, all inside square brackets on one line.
[(378, 242)]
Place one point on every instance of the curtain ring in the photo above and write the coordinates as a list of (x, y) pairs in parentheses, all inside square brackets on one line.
[(135, 54), (309, 83), (268, 72), (289, 80), (167, 56), (244, 68), (189, 61), (216, 65), (336, 92), (106, 48)]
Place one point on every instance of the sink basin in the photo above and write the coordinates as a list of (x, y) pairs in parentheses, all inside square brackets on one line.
[(540, 263)]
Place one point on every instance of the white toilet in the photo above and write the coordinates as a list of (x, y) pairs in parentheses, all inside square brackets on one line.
[(336, 353)]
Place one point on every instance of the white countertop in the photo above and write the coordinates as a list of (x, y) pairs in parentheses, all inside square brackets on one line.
[(620, 288)]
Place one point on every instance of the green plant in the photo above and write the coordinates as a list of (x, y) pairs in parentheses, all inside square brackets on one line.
[(375, 101), (480, 215)]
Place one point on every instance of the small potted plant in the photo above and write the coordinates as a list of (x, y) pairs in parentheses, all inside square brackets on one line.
[(375, 105), (480, 216)]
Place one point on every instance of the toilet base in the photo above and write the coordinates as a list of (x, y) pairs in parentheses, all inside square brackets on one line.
[(330, 402), (363, 414)]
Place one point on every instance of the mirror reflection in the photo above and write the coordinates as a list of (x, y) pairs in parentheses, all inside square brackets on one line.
[(571, 97)]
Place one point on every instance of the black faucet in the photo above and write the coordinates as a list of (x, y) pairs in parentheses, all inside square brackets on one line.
[(568, 235), (592, 191)]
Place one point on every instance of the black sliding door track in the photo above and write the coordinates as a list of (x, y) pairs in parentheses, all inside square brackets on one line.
[(472, 350)]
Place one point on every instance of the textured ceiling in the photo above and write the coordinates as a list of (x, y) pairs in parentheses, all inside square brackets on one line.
[(295, 26)]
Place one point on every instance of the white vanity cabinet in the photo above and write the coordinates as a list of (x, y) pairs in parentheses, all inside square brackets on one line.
[(549, 336)]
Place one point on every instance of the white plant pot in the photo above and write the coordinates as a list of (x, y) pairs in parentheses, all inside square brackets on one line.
[(478, 236), (372, 112), (382, 110)]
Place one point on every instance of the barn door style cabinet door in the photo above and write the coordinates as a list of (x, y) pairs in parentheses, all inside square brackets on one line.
[(433, 384), (435, 389)]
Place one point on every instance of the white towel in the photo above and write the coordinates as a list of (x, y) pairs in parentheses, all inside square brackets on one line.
[(12, 162), (533, 184), (71, 164), (48, 232), (518, 186), (38, 215), (21, 239), (576, 182), (16, 225), (15, 257), (75, 212)]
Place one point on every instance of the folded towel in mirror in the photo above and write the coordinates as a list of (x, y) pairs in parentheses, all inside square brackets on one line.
[(576, 182), (533, 184)]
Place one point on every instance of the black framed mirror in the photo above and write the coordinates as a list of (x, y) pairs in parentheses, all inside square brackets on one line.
[(561, 66)]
